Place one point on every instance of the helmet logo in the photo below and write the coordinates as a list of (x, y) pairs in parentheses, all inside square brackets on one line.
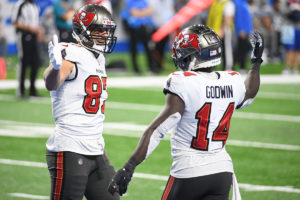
[(188, 40), (84, 17)]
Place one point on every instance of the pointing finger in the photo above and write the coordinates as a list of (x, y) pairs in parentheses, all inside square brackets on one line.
[(55, 40), (50, 45)]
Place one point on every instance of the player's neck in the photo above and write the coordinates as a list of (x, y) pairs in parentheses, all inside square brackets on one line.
[(206, 70), (208, 73)]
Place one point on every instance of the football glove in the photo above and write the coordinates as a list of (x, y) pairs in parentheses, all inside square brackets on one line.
[(121, 179), (257, 42), (54, 52)]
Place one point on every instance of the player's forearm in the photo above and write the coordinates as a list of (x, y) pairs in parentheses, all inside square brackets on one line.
[(141, 151), (24, 27), (252, 81), (51, 78)]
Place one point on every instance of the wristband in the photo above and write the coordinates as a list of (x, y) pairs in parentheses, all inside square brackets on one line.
[(131, 164), (256, 60), (255, 66)]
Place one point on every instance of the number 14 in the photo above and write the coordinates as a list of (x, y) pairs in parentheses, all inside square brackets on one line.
[(201, 141)]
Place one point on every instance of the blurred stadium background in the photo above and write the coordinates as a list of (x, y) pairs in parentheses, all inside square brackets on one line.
[(264, 140)]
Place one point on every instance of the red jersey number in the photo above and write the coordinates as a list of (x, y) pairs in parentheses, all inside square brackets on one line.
[(201, 142), (93, 89)]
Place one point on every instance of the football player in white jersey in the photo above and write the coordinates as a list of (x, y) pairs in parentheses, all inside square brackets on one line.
[(76, 79), (199, 105)]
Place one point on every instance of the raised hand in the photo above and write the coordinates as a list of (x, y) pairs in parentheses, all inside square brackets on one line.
[(54, 52), (257, 42)]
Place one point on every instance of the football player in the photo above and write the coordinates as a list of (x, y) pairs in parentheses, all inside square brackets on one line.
[(199, 105), (76, 79)]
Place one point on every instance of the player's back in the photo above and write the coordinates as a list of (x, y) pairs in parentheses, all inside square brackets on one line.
[(210, 99)]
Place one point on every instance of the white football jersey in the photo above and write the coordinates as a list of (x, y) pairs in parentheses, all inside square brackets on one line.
[(198, 141), (78, 104)]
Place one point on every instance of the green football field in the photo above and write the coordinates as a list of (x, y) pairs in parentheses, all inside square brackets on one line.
[(264, 143)]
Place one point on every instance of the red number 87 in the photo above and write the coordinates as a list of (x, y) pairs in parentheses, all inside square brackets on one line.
[(93, 89)]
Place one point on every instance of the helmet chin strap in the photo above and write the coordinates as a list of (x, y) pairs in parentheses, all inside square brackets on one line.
[(192, 64), (95, 48)]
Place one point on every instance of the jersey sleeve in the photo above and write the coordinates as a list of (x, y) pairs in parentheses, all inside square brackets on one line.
[(69, 52), (175, 85)]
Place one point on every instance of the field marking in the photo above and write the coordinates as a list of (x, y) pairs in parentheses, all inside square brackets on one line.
[(265, 116), (263, 95), (24, 129), (23, 163), (154, 81), (237, 114), (247, 187), (157, 108), (278, 95), (28, 196), (263, 145)]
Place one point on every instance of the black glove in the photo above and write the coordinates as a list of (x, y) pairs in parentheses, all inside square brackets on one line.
[(257, 42), (122, 178)]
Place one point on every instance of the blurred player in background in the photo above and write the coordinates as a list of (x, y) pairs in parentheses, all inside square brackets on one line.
[(26, 20), (199, 105), (76, 79), (221, 19), (64, 11)]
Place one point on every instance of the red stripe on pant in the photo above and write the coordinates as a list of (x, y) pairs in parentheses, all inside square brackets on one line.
[(168, 188), (59, 175)]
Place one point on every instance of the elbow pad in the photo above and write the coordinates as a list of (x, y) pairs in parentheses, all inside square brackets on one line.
[(160, 132)]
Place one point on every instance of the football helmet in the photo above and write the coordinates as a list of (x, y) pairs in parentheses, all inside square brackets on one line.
[(196, 47), (93, 28)]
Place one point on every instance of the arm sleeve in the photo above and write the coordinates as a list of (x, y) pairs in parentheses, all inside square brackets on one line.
[(160, 132), (69, 54), (175, 85)]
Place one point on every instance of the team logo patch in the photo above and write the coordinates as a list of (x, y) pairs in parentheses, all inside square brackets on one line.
[(169, 82), (84, 17), (80, 161), (189, 40)]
